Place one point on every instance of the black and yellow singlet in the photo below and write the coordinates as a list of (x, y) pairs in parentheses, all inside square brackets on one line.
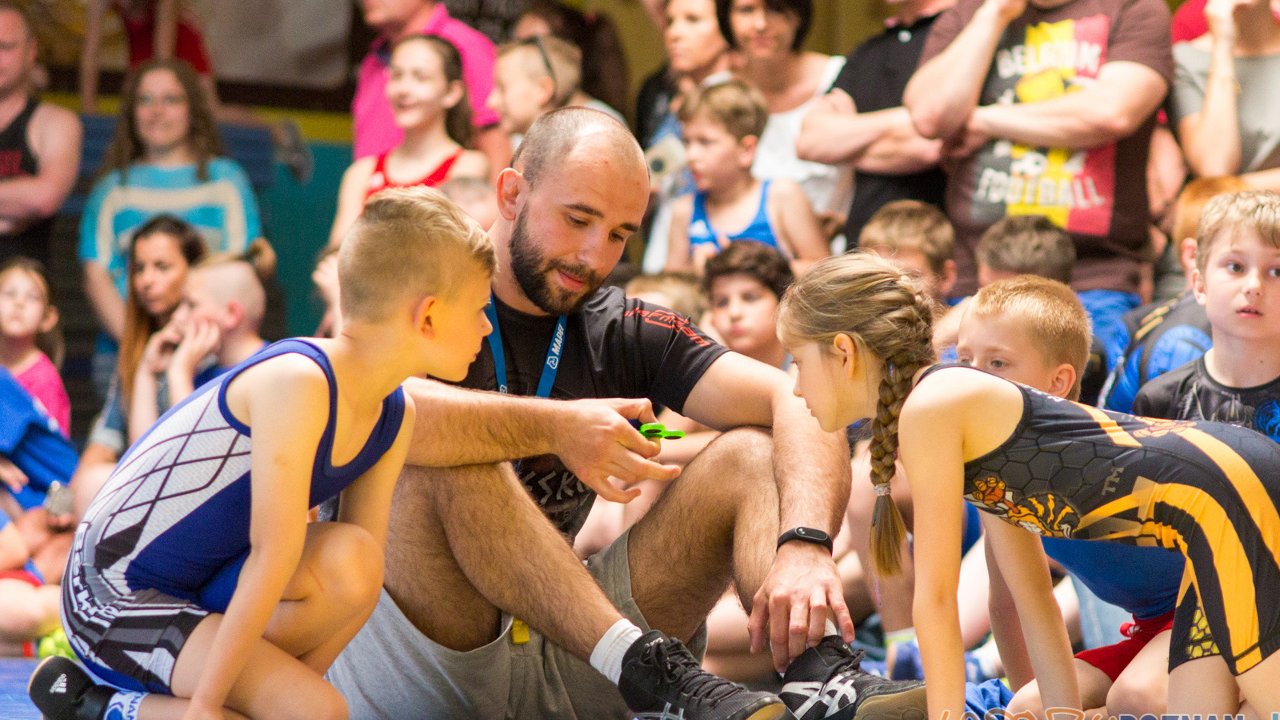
[(1207, 490)]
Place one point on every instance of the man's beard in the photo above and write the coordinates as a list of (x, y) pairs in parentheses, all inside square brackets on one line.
[(531, 270)]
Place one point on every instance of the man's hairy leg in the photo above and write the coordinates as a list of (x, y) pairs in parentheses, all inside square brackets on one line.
[(717, 522), (465, 541)]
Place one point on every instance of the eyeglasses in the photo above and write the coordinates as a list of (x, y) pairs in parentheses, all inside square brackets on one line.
[(536, 42)]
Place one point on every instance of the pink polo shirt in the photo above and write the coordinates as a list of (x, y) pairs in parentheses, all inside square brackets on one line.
[(375, 126)]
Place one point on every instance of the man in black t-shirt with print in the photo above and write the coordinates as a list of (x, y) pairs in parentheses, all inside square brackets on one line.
[(861, 121), (489, 612)]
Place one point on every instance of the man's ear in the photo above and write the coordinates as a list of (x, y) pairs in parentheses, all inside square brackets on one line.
[(846, 350), (511, 184), (424, 314), (50, 319), (1064, 379)]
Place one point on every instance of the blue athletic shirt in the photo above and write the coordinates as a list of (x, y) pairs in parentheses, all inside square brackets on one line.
[(174, 515), (759, 229)]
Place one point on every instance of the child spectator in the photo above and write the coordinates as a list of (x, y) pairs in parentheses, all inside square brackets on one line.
[(918, 237), (604, 66), (477, 197), (1024, 245), (29, 336), (231, 586), (1033, 245), (214, 328), (1238, 379), (676, 291), (1034, 331), (165, 157), (722, 127), (535, 76), (429, 103), (1165, 335)]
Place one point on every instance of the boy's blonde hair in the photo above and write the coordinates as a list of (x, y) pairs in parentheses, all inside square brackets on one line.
[(1048, 312), (1028, 245), (911, 225), (682, 289), (241, 277), (549, 56), (408, 243), (1256, 211), (883, 309), (732, 103)]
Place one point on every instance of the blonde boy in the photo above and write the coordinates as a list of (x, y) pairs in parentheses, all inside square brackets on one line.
[(1034, 331), (1235, 280), (722, 124), (533, 77), (193, 589), (919, 238)]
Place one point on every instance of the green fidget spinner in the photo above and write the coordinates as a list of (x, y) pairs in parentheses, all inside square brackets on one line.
[(658, 431)]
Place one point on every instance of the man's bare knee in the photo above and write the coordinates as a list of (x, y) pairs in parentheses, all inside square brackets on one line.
[(746, 451)]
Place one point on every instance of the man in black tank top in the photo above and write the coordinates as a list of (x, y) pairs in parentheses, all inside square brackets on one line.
[(39, 147)]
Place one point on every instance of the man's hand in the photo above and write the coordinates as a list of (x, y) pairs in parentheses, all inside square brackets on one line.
[(791, 608), (597, 442), (969, 140)]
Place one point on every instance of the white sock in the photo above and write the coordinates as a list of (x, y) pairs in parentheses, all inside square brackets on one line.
[(124, 705), (830, 628), (608, 653)]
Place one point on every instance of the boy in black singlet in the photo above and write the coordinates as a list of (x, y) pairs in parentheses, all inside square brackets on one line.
[(1237, 280)]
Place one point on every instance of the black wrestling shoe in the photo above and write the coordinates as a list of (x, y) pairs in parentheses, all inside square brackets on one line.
[(828, 682), (661, 680), (62, 690)]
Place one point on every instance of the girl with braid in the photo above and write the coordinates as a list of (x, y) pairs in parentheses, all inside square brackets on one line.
[(859, 331)]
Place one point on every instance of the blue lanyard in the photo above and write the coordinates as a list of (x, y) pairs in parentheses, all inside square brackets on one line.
[(549, 368)]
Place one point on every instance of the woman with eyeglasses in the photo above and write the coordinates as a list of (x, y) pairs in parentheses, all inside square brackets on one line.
[(165, 157), (429, 102)]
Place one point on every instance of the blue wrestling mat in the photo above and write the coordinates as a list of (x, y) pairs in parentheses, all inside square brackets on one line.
[(14, 704)]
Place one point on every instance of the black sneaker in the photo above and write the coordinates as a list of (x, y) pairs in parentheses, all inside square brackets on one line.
[(661, 680), (827, 681), (62, 690)]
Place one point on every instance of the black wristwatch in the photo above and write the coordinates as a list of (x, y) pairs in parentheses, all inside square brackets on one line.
[(807, 534)]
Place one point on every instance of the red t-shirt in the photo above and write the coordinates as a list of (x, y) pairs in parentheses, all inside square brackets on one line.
[(1099, 195)]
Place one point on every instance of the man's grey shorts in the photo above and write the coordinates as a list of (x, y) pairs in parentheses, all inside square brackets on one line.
[(391, 671)]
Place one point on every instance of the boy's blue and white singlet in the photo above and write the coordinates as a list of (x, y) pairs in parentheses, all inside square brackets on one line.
[(169, 532), (759, 229)]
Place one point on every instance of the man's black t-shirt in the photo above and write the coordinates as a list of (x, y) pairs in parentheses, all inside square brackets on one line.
[(875, 76), (1189, 393), (614, 347)]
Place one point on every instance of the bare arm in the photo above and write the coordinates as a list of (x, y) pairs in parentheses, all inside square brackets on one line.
[(800, 234), (1263, 179), (13, 551), (931, 445), (55, 134), (287, 401), (103, 297), (811, 468), (166, 37), (1006, 627), (593, 438), (90, 51), (1211, 137), (1125, 96), (678, 257), (351, 192), (944, 90), (881, 141), (1021, 558)]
